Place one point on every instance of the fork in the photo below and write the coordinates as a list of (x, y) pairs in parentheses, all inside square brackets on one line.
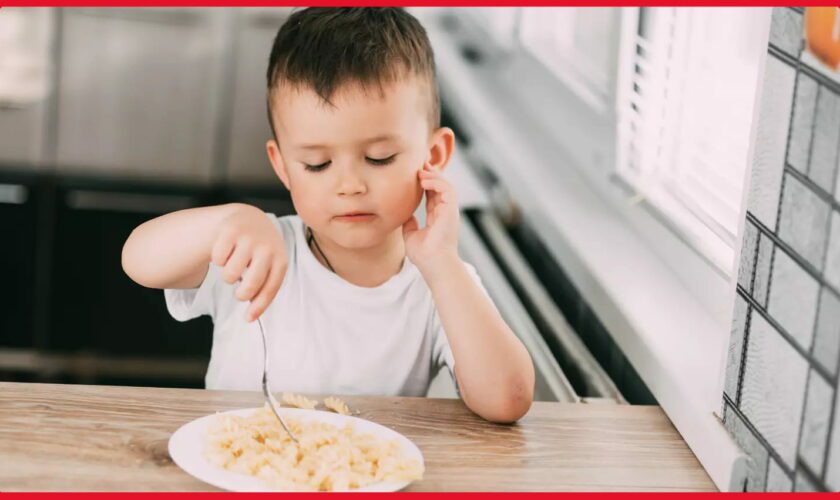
[(272, 402)]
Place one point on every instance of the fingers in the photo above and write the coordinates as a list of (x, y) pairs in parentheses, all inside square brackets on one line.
[(249, 249), (441, 188), (255, 275), (237, 262), (432, 197), (432, 175), (269, 289), (438, 191), (222, 248)]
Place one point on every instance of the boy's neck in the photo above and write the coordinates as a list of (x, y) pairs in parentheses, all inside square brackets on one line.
[(368, 267)]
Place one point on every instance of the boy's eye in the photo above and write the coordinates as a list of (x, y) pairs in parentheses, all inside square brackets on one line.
[(316, 168), (381, 161)]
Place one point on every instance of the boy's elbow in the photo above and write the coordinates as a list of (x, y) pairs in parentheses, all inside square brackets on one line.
[(520, 395), (513, 401), (517, 393)]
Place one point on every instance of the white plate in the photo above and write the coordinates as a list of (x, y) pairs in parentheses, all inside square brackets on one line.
[(186, 448)]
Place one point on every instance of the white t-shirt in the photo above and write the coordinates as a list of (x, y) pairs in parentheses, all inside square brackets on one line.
[(325, 335)]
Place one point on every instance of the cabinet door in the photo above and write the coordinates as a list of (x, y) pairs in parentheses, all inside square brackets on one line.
[(22, 134), (25, 82), (95, 306), (18, 206), (248, 162), (139, 92)]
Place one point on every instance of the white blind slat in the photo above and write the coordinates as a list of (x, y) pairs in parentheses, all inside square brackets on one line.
[(685, 120)]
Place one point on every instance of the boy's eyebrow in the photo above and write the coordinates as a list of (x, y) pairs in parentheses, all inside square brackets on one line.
[(311, 146), (378, 138), (381, 138)]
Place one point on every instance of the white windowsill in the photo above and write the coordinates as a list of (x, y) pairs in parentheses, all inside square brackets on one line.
[(672, 341)]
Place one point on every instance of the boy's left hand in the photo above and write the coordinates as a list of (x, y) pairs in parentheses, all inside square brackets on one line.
[(437, 243)]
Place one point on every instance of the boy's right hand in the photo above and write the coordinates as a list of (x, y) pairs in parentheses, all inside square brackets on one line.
[(249, 246)]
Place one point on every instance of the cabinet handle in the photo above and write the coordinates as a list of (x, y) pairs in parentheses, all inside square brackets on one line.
[(13, 194), (10, 105), (140, 203)]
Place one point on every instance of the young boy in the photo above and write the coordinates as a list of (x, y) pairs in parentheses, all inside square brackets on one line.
[(355, 297)]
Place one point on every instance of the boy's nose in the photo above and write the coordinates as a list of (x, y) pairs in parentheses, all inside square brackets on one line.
[(350, 184)]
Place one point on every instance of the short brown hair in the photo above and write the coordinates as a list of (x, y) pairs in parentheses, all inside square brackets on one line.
[(323, 48)]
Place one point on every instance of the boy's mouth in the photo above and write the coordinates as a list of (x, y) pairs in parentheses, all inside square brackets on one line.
[(355, 217)]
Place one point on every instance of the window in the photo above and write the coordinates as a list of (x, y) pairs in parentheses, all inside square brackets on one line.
[(574, 44), (680, 93), (654, 102), (500, 22), (685, 107)]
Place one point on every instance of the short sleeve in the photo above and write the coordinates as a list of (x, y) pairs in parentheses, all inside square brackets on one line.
[(189, 303), (441, 352)]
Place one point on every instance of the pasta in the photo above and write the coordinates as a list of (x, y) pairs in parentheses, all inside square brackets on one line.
[(336, 405), (331, 403), (299, 401), (327, 458)]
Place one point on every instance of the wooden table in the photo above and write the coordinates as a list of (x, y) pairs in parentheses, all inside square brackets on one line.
[(79, 437)]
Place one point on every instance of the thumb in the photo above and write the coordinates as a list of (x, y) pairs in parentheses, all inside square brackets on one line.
[(411, 226)]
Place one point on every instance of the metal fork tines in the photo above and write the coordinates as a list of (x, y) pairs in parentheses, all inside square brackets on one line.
[(267, 390)]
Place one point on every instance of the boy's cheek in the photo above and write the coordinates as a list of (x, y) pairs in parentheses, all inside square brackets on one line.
[(399, 200), (411, 193), (309, 207), (415, 198)]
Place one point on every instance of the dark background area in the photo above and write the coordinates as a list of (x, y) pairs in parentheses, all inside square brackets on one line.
[(70, 312)]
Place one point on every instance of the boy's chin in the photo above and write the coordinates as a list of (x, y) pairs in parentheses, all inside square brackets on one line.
[(360, 238)]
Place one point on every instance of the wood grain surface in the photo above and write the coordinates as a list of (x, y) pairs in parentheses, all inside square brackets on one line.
[(103, 438)]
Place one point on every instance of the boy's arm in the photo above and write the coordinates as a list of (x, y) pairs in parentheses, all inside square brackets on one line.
[(174, 251), (494, 370)]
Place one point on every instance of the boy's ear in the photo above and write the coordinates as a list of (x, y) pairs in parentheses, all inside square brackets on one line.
[(441, 147), (277, 163)]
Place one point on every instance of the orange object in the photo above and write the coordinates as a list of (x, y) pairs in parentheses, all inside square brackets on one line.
[(822, 33)]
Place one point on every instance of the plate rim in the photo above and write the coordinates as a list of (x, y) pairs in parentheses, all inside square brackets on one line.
[(255, 484)]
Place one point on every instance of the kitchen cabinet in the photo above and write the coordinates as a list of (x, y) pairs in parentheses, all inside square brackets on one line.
[(140, 92), (25, 83), (18, 222), (95, 306), (249, 128), (22, 134)]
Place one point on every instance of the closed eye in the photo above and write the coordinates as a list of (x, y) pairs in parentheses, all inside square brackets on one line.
[(381, 161), (317, 168)]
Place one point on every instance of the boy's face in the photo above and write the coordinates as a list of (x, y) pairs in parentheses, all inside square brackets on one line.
[(352, 168)]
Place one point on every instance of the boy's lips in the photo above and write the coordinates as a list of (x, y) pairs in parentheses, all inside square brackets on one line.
[(355, 217)]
